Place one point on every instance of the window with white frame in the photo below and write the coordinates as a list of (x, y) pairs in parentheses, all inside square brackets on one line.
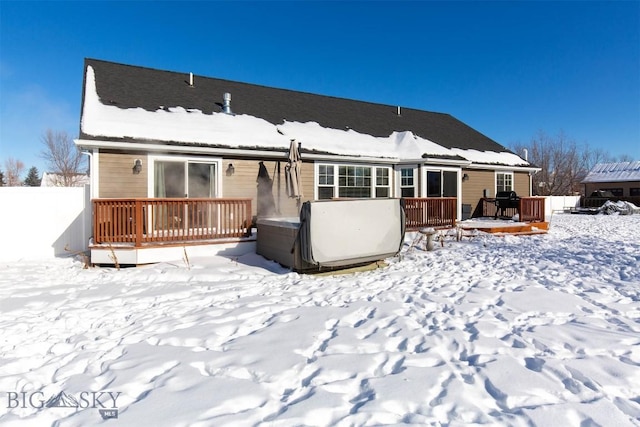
[(407, 182), (179, 177), (504, 181), (325, 182), (382, 182), (353, 181)]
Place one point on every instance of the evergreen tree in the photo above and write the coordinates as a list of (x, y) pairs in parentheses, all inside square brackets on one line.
[(32, 179), (2, 181)]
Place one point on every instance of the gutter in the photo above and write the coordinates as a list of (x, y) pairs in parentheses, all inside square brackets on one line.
[(276, 154), (485, 166)]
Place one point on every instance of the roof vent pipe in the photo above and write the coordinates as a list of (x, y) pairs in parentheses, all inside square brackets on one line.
[(190, 79), (226, 105), (398, 110), (525, 152)]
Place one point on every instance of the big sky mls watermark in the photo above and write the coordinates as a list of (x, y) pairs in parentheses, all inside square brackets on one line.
[(104, 401)]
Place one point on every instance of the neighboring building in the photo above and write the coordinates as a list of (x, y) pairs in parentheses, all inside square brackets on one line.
[(154, 133), (50, 179), (622, 179)]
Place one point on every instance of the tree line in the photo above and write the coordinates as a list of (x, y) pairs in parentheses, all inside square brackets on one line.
[(61, 156), (563, 163)]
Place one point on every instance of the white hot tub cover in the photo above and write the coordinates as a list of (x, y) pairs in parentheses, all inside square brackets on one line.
[(344, 232)]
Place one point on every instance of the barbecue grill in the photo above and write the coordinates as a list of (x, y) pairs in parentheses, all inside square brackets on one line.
[(506, 200)]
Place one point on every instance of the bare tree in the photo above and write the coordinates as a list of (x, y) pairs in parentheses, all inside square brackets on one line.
[(563, 163), (14, 171), (63, 157), (625, 158)]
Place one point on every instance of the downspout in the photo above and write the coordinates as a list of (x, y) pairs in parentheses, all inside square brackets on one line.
[(90, 154), (88, 210)]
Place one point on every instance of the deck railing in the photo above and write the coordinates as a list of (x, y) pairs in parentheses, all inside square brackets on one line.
[(530, 209), (430, 212), (162, 220)]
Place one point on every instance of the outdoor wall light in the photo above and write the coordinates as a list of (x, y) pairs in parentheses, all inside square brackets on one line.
[(465, 177), (230, 169), (137, 166)]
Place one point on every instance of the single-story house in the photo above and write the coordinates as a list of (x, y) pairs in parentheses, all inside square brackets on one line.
[(154, 134), (621, 179)]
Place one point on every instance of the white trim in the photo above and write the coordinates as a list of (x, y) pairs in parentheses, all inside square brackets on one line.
[(505, 172), (335, 158), (504, 168), (204, 150), (177, 149), (438, 161), (398, 175), (458, 171), (94, 172), (423, 178), (207, 150), (151, 159)]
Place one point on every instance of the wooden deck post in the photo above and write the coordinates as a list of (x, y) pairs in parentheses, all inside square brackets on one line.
[(139, 219)]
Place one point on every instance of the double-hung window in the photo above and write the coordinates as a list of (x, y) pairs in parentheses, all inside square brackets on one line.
[(407, 182), (504, 181), (326, 181), (382, 182)]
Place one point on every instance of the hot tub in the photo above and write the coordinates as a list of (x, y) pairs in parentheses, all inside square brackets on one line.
[(333, 234)]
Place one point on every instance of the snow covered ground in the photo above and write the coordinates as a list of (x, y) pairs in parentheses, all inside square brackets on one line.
[(538, 330)]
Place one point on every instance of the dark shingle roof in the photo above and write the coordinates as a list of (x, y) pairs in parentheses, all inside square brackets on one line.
[(128, 86)]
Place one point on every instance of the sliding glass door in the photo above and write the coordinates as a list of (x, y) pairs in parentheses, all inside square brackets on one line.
[(442, 183), (184, 179)]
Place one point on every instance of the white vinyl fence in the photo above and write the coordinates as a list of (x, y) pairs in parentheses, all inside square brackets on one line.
[(44, 222), (556, 204)]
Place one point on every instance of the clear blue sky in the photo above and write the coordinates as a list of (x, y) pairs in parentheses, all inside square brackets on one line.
[(508, 69)]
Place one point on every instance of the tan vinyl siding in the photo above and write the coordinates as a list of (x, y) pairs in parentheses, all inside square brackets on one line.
[(479, 180), (243, 183), (521, 183), (473, 189), (117, 179)]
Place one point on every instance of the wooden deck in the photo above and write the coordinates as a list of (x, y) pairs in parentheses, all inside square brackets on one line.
[(530, 209), (504, 227), (527, 219), (146, 230), (435, 212), (160, 221)]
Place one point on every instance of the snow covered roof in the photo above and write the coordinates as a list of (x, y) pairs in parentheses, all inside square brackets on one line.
[(128, 103), (614, 172)]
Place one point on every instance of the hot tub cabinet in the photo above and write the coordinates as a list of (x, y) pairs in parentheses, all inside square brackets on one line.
[(333, 234), (277, 241)]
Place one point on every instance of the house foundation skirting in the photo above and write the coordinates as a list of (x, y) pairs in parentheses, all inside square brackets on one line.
[(130, 255)]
